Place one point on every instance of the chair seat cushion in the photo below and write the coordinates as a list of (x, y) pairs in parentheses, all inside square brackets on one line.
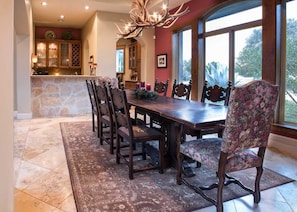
[(141, 132), (105, 118), (207, 151)]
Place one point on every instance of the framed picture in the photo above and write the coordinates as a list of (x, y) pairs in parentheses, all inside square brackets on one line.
[(162, 61)]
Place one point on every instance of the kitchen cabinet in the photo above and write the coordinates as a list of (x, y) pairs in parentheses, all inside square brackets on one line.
[(58, 53), (70, 54), (135, 60), (47, 53)]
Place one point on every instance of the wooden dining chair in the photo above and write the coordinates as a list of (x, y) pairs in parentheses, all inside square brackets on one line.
[(247, 128), (133, 134), (214, 95), (105, 122), (160, 88), (181, 90), (94, 106)]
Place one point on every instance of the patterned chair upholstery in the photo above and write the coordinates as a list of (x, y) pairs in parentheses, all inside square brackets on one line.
[(247, 127)]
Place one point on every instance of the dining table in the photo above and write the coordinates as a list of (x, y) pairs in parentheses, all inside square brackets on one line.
[(179, 114)]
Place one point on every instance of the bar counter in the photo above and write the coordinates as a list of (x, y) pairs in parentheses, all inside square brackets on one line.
[(64, 95)]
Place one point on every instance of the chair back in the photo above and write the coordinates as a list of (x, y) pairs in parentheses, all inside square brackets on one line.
[(181, 90), (91, 92), (121, 110), (104, 105), (161, 87), (250, 116), (216, 93)]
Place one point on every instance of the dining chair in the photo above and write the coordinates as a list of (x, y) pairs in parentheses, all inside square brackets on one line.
[(160, 88), (133, 134), (181, 90), (214, 95), (247, 128), (94, 107), (105, 122)]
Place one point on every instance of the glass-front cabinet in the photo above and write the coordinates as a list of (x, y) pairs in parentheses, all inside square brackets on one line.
[(64, 55), (53, 54), (58, 54), (41, 52)]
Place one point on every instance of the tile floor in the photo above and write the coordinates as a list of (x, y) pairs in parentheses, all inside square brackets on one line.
[(42, 181)]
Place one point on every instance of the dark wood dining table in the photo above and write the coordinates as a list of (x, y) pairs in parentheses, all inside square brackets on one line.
[(180, 114)]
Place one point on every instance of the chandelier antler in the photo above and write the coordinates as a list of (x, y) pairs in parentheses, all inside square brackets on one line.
[(141, 18)]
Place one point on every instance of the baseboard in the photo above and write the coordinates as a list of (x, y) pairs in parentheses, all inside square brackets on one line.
[(283, 144), (20, 116)]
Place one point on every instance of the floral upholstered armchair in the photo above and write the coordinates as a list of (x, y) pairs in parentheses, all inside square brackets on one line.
[(247, 128)]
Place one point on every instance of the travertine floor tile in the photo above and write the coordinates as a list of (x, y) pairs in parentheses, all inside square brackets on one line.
[(42, 181), (52, 188), (26, 203)]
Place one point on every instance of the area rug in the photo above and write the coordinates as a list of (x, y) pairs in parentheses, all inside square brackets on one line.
[(99, 184)]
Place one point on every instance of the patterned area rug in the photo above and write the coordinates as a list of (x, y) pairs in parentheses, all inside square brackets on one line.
[(99, 184)]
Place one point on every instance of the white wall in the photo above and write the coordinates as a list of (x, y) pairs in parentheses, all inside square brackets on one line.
[(23, 83), (89, 41), (6, 108), (105, 38), (23, 49), (147, 43)]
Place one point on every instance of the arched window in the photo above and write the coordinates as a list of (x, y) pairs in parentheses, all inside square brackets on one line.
[(232, 38)]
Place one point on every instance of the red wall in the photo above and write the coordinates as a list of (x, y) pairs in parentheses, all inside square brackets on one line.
[(40, 32), (164, 36)]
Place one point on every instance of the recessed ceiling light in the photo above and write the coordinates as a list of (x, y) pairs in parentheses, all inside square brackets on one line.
[(87, 7), (44, 3), (61, 18)]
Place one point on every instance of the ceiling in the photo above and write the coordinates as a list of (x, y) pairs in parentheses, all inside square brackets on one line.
[(75, 15)]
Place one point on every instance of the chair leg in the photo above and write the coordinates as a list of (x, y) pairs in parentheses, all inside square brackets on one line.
[(143, 151), (118, 149), (111, 139), (257, 195), (131, 160), (93, 121), (220, 193), (100, 132), (180, 158), (161, 155)]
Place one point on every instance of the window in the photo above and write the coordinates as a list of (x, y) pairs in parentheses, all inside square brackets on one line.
[(289, 92), (120, 58), (233, 44), (182, 45)]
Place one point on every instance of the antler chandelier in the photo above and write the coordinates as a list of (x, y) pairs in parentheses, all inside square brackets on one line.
[(142, 18)]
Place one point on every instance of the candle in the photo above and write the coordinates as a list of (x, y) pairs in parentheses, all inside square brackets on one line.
[(148, 87), (137, 85), (142, 84)]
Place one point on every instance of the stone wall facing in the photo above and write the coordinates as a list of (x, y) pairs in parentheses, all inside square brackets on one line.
[(60, 95)]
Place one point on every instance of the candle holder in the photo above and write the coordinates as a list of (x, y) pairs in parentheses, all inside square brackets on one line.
[(93, 66)]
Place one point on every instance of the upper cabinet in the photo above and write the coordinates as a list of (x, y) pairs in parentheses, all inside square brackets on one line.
[(135, 60), (70, 54), (58, 53), (132, 55)]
